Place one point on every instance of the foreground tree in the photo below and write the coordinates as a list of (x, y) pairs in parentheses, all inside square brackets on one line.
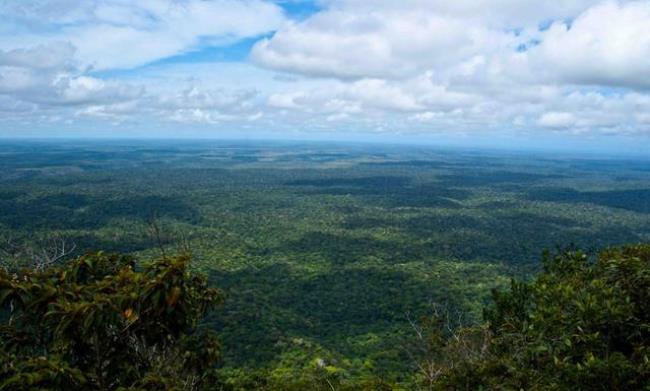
[(579, 325), (100, 323)]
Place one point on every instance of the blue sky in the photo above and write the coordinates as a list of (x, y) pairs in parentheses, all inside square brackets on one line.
[(502, 72)]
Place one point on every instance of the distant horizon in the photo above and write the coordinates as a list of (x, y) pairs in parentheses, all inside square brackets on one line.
[(580, 151)]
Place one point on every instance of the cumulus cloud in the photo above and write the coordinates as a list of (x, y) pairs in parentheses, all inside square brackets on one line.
[(121, 34), (48, 68), (556, 119), (570, 67), (609, 44), (47, 75), (194, 104), (384, 43), (57, 56), (475, 64), (604, 44), (43, 82), (508, 13)]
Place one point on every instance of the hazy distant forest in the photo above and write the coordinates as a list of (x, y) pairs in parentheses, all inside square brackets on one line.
[(298, 266)]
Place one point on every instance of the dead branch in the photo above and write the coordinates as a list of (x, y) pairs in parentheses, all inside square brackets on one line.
[(37, 254)]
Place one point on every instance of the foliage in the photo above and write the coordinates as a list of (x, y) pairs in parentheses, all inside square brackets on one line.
[(578, 325), (327, 243), (99, 323)]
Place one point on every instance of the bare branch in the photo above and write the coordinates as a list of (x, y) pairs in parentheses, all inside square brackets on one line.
[(38, 254), (155, 232)]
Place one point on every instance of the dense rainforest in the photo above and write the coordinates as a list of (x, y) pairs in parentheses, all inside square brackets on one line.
[(102, 322), (281, 266)]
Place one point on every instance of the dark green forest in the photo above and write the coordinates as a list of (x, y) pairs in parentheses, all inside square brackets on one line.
[(320, 266)]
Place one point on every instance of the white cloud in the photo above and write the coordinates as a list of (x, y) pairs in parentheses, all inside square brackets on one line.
[(58, 56), (286, 100), (608, 44), (557, 120), (475, 64), (426, 116), (410, 66), (123, 34), (604, 44), (384, 43), (358, 38), (508, 13), (47, 75)]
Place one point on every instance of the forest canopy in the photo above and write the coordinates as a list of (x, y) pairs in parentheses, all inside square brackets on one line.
[(98, 322), (578, 325), (103, 322), (339, 266)]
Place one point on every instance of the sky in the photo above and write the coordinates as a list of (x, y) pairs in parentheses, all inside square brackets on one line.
[(497, 72)]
